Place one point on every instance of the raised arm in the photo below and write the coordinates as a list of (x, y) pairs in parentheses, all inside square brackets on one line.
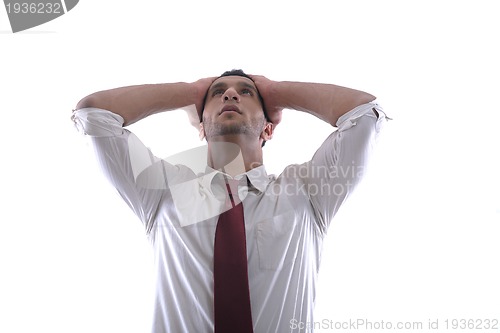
[(326, 101), (339, 164), (134, 103)]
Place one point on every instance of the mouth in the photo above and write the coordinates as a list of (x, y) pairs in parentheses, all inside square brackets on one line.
[(230, 108)]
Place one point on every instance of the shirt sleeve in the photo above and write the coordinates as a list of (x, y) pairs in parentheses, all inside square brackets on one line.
[(137, 175), (339, 164)]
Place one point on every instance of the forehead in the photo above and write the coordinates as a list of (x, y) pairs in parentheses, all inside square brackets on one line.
[(229, 81)]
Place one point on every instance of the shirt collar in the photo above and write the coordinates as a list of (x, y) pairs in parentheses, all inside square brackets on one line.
[(257, 177)]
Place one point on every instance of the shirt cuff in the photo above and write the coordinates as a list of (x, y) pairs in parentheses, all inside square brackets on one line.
[(348, 119), (97, 122)]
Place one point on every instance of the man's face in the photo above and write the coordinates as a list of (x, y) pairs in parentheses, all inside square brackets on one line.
[(233, 107)]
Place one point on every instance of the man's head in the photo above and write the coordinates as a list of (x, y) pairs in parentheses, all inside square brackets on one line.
[(233, 106), (235, 72)]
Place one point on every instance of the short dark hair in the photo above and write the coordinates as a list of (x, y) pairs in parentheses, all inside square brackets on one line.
[(235, 72)]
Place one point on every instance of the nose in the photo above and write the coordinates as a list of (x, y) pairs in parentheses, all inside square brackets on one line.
[(231, 95)]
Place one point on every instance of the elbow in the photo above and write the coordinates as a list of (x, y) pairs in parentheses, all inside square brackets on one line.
[(92, 101), (86, 102), (366, 98)]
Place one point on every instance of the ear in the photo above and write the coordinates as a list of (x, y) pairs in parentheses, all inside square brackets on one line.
[(202, 131), (267, 132)]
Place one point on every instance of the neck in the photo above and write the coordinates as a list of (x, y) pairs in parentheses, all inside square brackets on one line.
[(234, 154)]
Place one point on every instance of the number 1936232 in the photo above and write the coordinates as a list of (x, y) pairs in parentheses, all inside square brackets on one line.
[(34, 8)]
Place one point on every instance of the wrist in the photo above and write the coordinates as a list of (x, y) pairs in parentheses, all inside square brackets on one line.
[(280, 91), (195, 91)]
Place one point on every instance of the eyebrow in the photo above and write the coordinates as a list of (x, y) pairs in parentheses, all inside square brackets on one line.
[(218, 85), (242, 84), (249, 86)]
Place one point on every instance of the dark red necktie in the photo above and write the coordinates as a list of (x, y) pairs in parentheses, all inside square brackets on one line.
[(231, 293)]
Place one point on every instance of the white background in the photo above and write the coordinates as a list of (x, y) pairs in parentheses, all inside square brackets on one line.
[(419, 240)]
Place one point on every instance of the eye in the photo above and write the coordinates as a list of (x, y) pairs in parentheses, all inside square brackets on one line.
[(246, 92), (217, 92)]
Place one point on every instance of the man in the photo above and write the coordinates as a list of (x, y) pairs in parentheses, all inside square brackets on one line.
[(284, 219)]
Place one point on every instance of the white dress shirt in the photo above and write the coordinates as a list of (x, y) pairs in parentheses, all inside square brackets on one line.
[(286, 218)]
